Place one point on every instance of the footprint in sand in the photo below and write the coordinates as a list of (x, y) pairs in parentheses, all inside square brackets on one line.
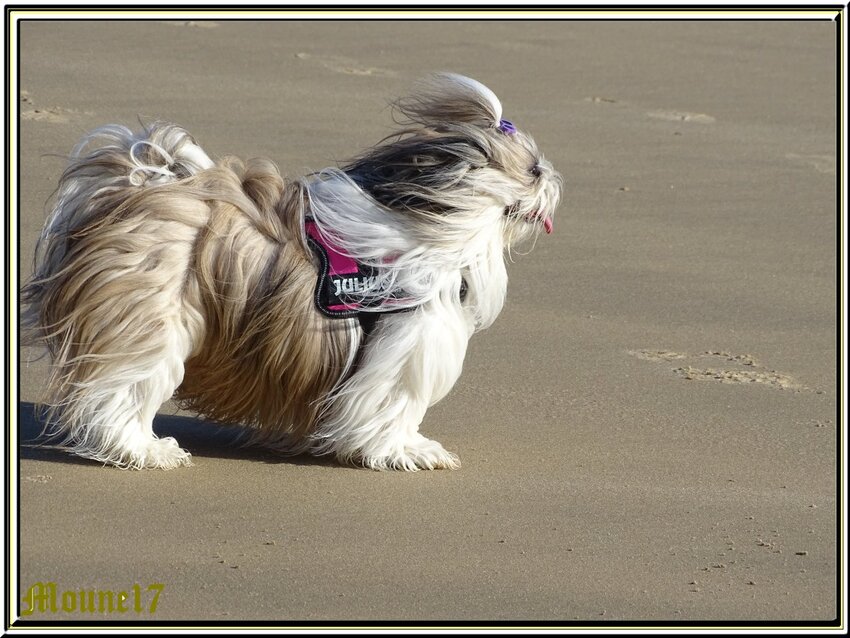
[(681, 116), (191, 23), (599, 99), (821, 163), (735, 368), (341, 64), (659, 114), (53, 114)]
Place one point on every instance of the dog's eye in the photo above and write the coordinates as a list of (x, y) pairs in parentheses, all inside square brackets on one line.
[(535, 171), (512, 209)]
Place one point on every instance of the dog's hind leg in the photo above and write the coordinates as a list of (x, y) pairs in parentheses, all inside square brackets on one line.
[(119, 330), (107, 295), (108, 414)]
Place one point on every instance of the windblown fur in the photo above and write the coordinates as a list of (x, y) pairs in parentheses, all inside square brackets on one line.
[(161, 273)]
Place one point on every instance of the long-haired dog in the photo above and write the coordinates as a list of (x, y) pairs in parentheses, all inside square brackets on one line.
[(328, 312)]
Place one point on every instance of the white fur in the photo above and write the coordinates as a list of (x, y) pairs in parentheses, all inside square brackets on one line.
[(476, 88), (414, 266), (114, 423), (415, 357), (412, 362)]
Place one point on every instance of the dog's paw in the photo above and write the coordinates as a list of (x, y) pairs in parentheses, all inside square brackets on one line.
[(415, 454), (164, 454)]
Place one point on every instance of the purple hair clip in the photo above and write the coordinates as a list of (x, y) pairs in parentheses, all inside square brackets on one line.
[(507, 127)]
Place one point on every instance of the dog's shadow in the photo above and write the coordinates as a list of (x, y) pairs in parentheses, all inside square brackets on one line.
[(201, 438)]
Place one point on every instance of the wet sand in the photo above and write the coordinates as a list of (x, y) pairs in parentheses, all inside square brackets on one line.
[(647, 432)]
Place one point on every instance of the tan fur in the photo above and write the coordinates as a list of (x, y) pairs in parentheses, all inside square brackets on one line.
[(261, 354)]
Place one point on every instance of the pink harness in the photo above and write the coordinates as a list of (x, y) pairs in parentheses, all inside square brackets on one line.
[(343, 281)]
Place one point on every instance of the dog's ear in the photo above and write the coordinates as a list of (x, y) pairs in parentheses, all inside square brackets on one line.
[(447, 98)]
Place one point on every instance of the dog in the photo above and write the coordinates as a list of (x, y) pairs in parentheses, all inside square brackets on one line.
[(325, 313)]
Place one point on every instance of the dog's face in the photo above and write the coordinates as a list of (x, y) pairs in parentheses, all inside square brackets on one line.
[(533, 186), (458, 164)]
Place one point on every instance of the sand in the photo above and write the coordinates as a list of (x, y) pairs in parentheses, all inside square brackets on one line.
[(648, 432)]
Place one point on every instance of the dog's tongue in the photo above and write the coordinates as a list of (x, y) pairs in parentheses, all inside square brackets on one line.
[(539, 216)]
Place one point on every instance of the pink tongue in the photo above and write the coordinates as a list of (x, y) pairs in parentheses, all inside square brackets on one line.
[(547, 225)]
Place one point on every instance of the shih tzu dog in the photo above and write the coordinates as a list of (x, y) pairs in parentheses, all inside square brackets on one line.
[(327, 313)]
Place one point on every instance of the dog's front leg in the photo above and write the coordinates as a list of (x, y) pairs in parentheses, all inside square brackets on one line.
[(410, 362)]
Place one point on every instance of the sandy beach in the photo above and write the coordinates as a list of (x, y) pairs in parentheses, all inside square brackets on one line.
[(647, 433)]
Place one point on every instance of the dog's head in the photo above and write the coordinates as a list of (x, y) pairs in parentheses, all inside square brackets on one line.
[(458, 164)]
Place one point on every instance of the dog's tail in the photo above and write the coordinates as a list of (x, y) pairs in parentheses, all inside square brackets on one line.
[(115, 159), (111, 162)]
